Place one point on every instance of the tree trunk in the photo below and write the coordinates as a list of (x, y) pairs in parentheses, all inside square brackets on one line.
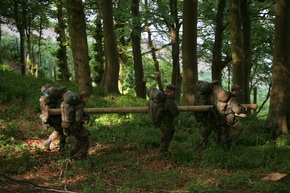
[(189, 50), (112, 56), (100, 55), (277, 117), (154, 57), (61, 55), (20, 20), (140, 81), (237, 45), (38, 58), (153, 51), (1, 57), (79, 44), (174, 36), (217, 64), (247, 49)]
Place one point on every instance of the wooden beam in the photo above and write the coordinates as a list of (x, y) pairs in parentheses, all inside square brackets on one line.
[(143, 109)]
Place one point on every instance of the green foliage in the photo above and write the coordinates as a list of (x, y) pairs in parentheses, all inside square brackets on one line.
[(124, 149)]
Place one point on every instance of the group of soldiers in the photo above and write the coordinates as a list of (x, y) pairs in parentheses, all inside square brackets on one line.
[(53, 97), (212, 121), (222, 124)]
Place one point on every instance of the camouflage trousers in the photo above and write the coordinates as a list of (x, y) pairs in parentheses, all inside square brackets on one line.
[(234, 123), (207, 130), (167, 133), (80, 145)]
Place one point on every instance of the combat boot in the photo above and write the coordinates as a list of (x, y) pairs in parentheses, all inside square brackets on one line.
[(47, 144)]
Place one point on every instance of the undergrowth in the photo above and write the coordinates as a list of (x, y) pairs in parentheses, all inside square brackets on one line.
[(124, 149)]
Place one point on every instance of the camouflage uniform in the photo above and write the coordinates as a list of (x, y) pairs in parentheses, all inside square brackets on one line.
[(77, 130), (211, 122), (52, 120), (167, 126), (233, 121)]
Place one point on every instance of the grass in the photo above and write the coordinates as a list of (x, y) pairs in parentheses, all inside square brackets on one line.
[(124, 154)]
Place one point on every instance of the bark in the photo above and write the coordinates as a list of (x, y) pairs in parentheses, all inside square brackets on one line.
[(189, 50), (153, 52), (140, 81), (237, 45), (20, 20), (217, 64), (112, 56), (38, 54), (1, 57), (175, 40), (277, 117), (247, 49), (100, 55), (154, 57), (62, 57), (79, 44)]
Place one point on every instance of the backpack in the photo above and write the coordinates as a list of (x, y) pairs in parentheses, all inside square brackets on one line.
[(203, 97), (156, 105), (51, 98), (71, 98), (71, 107), (221, 100)]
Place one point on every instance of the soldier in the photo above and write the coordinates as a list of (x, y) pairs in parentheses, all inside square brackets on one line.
[(76, 127), (52, 98), (209, 119), (235, 110), (170, 111)]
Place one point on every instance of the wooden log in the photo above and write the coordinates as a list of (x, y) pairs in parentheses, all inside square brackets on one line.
[(144, 109)]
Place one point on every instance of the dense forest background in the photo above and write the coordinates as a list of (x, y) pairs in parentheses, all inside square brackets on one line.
[(115, 49), (126, 46)]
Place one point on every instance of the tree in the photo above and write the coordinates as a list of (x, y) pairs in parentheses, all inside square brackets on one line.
[(111, 75), (172, 23), (189, 55), (61, 53), (237, 45), (217, 63), (99, 49), (19, 12), (152, 48), (79, 44), (247, 50), (277, 120), (174, 28), (140, 82)]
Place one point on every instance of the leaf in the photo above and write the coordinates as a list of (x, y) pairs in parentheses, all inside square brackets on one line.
[(274, 177)]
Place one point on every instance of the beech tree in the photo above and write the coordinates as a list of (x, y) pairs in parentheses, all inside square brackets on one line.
[(278, 117), (79, 44), (140, 82), (237, 45), (111, 74), (61, 52), (189, 49)]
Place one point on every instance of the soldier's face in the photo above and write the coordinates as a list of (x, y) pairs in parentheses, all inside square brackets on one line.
[(171, 94), (86, 99)]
